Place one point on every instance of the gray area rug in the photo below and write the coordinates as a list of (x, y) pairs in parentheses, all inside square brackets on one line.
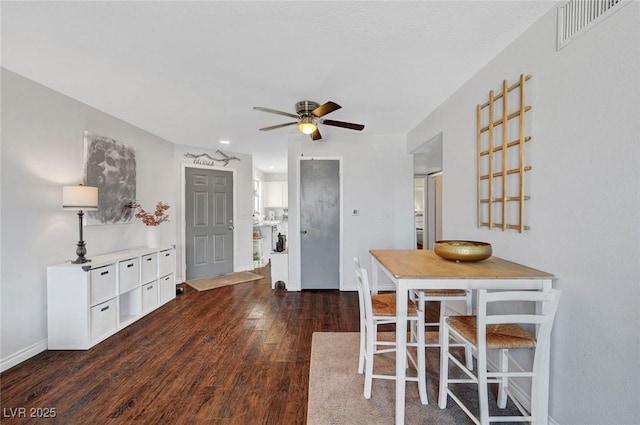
[(336, 389)]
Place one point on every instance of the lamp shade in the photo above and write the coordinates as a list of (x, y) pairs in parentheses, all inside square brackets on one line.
[(307, 126), (80, 198)]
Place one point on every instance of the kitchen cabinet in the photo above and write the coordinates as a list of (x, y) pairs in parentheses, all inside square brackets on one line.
[(276, 195)]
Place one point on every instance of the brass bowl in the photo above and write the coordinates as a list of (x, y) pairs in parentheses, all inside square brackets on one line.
[(463, 250)]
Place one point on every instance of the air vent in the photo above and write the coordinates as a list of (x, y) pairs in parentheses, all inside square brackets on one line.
[(577, 16)]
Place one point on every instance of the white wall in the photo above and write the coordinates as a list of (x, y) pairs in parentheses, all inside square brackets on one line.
[(584, 207), (377, 176), (274, 177), (42, 150)]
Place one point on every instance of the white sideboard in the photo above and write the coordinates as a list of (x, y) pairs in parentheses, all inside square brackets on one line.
[(87, 303)]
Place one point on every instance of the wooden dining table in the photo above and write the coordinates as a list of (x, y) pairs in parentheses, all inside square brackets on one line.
[(423, 269)]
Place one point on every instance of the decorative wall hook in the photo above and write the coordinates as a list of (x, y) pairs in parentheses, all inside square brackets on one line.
[(219, 156)]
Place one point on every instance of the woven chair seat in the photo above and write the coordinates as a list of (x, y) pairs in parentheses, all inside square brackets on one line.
[(385, 305), (498, 336)]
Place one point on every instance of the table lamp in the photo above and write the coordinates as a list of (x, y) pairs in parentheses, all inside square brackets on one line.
[(80, 198)]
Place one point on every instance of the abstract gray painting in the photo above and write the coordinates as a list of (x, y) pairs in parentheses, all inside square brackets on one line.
[(111, 167)]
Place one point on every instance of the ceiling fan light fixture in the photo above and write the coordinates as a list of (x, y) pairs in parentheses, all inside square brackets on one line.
[(307, 126), (308, 116)]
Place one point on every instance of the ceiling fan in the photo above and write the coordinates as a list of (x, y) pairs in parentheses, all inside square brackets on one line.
[(308, 115)]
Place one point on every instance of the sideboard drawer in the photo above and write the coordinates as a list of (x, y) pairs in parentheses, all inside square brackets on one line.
[(129, 274), (167, 288), (103, 319), (102, 284), (167, 261), (149, 268), (149, 296)]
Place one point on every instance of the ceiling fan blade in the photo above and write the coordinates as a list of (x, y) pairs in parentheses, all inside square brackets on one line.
[(343, 124), (316, 135), (274, 111), (273, 127), (325, 109)]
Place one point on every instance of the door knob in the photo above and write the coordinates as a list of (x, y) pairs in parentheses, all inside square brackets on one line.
[(303, 232), (231, 227)]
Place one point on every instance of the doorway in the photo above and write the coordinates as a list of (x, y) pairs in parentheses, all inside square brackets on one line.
[(208, 222), (427, 170), (320, 213), (433, 210), (419, 189)]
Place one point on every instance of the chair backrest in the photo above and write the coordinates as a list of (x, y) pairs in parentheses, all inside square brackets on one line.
[(356, 262), (364, 291), (543, 311)]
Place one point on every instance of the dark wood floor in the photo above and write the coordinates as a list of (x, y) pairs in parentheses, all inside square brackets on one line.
[(232, 355)]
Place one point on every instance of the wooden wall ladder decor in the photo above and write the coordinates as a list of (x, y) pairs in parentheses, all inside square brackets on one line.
[(502, 163)]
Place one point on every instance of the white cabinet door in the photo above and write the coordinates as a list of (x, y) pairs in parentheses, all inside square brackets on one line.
[(149, 267), (167, 262), (103, 320), (273, 196), (129, 274), (149, 296), (279, 268), (285, 194), (167, 288), (102, 281), (276, 194)]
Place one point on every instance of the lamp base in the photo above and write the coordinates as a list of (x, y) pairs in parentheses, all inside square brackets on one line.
[(81, 250), (80, 260)]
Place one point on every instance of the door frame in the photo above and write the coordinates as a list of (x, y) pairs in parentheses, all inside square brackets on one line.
[(183, 218), (423, 199), (298, 238), (433, 213)]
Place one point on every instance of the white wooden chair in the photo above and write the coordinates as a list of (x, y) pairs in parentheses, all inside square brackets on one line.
[(502, 332), (380, 309), (443, 296)]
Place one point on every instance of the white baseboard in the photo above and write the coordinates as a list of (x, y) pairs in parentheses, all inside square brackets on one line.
[(22, 355), (385, 288), (245, 268)]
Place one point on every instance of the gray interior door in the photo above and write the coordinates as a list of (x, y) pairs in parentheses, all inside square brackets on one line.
[(320, 224), (209, 222)]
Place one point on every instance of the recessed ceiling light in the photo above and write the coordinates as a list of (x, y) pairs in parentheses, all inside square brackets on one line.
[(224, 142), (271, 167)]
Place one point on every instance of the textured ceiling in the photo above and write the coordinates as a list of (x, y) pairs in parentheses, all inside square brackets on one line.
[(191, 72)]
